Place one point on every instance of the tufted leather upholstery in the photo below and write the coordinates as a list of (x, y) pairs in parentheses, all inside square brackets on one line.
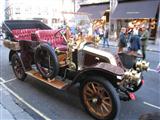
[(22, 34), (53, 37)]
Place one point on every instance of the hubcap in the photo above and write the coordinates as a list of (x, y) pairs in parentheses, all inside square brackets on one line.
[(97, 99)]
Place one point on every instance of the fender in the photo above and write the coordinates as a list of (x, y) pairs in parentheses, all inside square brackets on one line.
[(105, 70)]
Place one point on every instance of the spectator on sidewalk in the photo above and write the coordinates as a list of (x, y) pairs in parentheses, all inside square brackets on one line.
[(135, 40), (144, 37), (105, 39), (101, 33), (122, 40)]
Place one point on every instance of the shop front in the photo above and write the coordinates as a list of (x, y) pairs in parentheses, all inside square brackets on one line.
[(98, 12), (139, 13)]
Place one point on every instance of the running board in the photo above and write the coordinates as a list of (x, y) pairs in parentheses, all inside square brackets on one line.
[(54, 83)]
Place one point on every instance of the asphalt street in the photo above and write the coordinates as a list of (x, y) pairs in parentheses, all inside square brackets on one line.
[(65, 105)]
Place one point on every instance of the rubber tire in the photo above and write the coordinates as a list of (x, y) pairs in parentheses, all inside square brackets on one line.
[(11, 52), (53, 56), (114, 96), (24, 75)]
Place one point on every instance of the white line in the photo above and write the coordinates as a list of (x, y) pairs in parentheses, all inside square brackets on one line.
[(2, 79), (151, 105), (10, 80), (152, 70), (6, 81), (23, 101)]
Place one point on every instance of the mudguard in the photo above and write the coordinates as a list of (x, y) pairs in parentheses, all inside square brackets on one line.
[(106, 70)]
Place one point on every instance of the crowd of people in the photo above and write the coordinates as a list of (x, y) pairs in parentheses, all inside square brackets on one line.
[(134, 39), (102, 33)]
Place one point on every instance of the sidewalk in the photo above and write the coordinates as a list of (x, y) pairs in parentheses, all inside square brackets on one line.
[(9, 110), (150, 47)]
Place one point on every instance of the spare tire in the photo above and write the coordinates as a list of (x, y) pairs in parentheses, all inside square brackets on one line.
[(46, 61)]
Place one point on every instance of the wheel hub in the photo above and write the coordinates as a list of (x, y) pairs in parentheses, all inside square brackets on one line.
[(94, 100)]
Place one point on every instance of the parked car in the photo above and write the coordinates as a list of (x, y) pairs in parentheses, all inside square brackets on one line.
[(104, 77)]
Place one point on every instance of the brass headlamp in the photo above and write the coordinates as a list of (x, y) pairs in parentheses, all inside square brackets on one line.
[(142, 65), (132, 75)]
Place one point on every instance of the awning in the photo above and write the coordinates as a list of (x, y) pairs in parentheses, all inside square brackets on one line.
[(94, 11), (136, 9)]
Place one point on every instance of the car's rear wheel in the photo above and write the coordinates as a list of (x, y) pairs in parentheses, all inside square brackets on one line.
[(99, 98), (18, 67)]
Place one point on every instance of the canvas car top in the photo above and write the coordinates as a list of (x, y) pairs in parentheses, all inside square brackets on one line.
[(10, 25)]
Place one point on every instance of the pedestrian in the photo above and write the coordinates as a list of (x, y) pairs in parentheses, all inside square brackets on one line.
[(144, 37), (135, 40), (122, 40), (105, 39), (129, 32), (101, 33)]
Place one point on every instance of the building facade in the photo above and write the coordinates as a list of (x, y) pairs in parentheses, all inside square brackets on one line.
[(125, 13), (48, 11), (2, 6)]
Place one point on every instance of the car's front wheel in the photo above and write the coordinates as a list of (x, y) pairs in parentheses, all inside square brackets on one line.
[(100, 98)]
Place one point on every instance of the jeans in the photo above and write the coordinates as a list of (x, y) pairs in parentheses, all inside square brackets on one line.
[(105, 40)]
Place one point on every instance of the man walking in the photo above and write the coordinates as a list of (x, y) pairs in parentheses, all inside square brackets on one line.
[(122, 40), (105, 39), (144, 37)]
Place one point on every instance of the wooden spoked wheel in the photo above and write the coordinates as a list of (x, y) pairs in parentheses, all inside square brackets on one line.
[(17, 67), (97, 99)]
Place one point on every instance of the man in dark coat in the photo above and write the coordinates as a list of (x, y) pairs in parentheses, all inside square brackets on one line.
[(122, 40), (144, 38)]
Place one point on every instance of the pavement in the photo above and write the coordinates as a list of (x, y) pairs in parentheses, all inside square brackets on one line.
[(151, 46), (10, 110)]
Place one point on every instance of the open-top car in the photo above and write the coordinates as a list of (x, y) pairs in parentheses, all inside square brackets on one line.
[(60, 61)]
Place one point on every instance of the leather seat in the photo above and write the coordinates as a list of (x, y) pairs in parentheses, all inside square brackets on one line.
[(22, 34), (57, 41)]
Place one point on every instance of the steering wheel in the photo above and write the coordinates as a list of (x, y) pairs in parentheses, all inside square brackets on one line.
[(55, 35)]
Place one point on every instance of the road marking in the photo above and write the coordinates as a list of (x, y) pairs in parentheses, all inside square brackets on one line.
[(2, 79), (146, 103), (6, 81), (152, 70), (23, 101)]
